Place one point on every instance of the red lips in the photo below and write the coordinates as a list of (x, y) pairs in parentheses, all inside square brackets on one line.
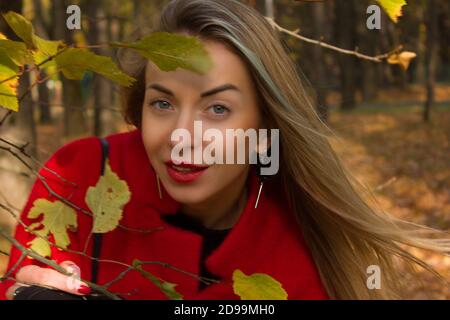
[(184, 172)]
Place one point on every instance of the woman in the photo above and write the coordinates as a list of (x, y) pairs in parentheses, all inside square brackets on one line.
[(308, 226)]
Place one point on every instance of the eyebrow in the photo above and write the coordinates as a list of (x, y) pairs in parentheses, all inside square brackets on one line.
[(210, 92)]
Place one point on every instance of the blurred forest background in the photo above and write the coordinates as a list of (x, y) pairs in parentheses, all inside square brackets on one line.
[(393, 125)]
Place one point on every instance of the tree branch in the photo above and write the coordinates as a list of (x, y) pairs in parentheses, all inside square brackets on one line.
[(54, 265), (295, 34), (66, 201)]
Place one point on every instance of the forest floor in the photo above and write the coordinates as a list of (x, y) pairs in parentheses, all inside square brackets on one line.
[(390, 149), (407, 164)]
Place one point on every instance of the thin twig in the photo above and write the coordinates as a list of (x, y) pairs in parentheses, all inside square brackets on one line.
[(83, 108), (16, 265), (66, 201), (5, 117), (295, 34), (385, 184), (23, 151), (35, 67), (8, 203), (127, 266), (54, 265)]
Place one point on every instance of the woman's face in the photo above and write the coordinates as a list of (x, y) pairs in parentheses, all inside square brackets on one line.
[(174, 100)]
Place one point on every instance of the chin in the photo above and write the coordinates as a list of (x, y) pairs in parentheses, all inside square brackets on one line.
[(189, 194)]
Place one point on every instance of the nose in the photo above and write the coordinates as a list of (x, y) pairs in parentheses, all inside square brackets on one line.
[(184, 132)]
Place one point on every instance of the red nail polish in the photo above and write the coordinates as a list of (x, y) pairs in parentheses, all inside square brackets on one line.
[(84, 289)]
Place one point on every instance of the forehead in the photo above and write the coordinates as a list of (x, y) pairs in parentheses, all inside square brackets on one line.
[(227, 67)]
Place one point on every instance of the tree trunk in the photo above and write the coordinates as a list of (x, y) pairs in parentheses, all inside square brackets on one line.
[(98, 33), (270, 10), (25, 116), (319, 61), (251, 3), (431, 57), (75, 123), (23, 121), (346, 39), (368, 42), (43, 92)]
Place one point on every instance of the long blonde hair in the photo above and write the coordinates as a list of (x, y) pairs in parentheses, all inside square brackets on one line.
[(345, 230)]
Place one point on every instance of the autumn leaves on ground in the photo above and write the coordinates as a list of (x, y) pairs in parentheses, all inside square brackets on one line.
[(407, 164)]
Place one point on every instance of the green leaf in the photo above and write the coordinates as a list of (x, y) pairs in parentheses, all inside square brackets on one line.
[(16, 51), (167, 288), (40, 246), (21, 27), (8, 95), (170, 51), (57, 218), (258, 286), (42, 49), (8, 82), (107, 199), (7, 66), (393, 8), (73, 62), (44, 55), (46, 49)]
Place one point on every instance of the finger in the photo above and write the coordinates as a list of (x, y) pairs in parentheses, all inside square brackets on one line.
[(74, 281), (70, 267), (33, 274), (10, 292)]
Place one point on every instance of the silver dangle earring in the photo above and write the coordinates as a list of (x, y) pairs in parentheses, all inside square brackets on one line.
[(261, 184), (261, 177), (159, 186)]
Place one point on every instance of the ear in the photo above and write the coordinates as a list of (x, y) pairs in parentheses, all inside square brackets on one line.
[(264, 141), (264, 137)]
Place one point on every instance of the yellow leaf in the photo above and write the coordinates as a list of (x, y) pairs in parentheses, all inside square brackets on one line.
[(8, 82), (40, 246), (258, 286), (16, 51), (57, 218), (8, 95), (2, 36), (107, 199), (393, 8), (403, 58)]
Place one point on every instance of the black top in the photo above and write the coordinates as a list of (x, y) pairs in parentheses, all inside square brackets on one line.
[(212, 238)]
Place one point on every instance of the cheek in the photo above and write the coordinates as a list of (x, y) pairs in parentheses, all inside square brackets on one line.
[(153, 133), (242, 146)]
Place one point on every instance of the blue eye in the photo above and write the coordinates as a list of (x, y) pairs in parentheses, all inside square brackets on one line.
[(219, 109), (161, 104)]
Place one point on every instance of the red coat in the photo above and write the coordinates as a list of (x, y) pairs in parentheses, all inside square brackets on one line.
[(264, 240)]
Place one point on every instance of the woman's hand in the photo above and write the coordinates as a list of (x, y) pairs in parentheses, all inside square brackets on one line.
[(35, 275)]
